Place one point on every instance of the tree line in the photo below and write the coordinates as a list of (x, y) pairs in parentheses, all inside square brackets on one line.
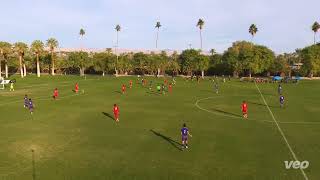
[(241, 59)]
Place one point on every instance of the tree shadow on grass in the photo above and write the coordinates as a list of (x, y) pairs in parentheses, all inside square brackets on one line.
[(108, 115), (225, 112), (118, 92), (174, 143)]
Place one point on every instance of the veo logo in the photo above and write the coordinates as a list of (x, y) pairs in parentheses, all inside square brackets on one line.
[(296, 164)]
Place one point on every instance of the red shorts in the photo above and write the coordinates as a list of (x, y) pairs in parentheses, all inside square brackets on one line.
[(116, 115)]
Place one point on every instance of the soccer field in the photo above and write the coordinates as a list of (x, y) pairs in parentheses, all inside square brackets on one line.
[(76, 138)]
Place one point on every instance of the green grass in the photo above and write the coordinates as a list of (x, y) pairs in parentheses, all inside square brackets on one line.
[(74, 138)]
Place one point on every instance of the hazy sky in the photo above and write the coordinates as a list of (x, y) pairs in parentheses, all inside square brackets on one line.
[(284, 25)]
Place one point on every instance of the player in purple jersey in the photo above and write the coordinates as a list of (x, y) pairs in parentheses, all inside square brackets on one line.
[(26, 101), (281, 101), (185, 133), (31, 106)]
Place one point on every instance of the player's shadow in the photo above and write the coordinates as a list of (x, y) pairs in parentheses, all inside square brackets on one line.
[(153, 93), (225, 112), (118, 92), (108, 115), (259, 104), (174, 143)]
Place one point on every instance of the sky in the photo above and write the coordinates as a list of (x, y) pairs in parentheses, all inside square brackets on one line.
[(283, 25)]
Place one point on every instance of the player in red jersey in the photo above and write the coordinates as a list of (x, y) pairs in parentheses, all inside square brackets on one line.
[(55, 93), (244, 108), (130, 84), (116, 112), (76, 88), (170, 88), (123, 88)]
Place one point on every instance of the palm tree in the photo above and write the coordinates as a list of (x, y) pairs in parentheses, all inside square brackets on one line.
[(158, 25), (5, 50), (37, 47), (253, 30), (118, 29), (52, 43), (21, 49), (200, 24), (315, 27), (82, 33), (212, 52)]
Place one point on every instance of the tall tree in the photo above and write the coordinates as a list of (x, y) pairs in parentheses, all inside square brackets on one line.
[(311, 59), (245, 57), (82, 33), (5, 51), (315, 27), (212, 52), (280, 65), (21, 49), (80, 60), (173, 64), (158, 25), (52, 43), (200, 25), (253, 31), (140, 61), (202, 64), (189, 59), (37, 47), (118, 29)]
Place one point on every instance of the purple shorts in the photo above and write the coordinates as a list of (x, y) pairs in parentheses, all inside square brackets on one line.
[(184, 138)]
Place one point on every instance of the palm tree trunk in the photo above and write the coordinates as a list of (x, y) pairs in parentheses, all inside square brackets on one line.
[(314, 38), (21, 69), (117, 53), (311, 75), (117, 39), (157, 38), (200, 39), (38, 66), (158, 72), (6, 68), (0, 68), (202, 74), (52, 64), (235, 74), (103, 73), (24, 70)]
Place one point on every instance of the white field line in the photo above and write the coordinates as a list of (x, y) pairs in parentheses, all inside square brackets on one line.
[(282, 134), (235, 117), (42, 98)]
